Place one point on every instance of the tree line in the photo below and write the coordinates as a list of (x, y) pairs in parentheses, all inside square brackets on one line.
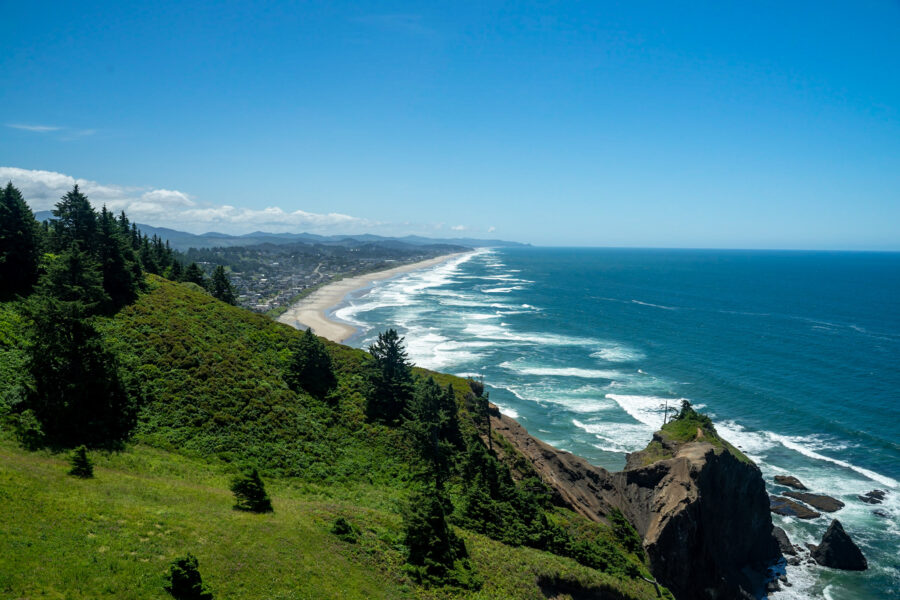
[(67, 272)]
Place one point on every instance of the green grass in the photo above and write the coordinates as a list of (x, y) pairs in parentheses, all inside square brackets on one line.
[(695, 427), (654, 452), (113, 536)]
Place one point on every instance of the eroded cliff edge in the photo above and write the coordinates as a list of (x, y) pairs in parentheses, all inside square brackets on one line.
[(699, 504)]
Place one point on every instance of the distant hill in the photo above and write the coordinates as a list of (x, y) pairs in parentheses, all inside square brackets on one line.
[(181, 240)]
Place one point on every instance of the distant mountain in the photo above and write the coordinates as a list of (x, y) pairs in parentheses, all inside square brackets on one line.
[(181, 240)]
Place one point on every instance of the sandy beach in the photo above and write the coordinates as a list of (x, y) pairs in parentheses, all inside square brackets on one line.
[(310, 311)]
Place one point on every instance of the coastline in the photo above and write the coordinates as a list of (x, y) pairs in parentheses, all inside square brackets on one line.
[(311, 311)]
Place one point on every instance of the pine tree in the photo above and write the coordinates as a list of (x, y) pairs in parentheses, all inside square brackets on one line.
[(221, 287), (433, 425), (120, 268), (310, 367), (435, 554), (75, 278), (390, 379), (185, 582), (20, 241), (194, 274), (78, 395), (81, 463), (76, 222), (250, 493), (175, 271)]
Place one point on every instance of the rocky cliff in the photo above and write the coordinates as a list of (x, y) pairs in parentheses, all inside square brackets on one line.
[(700, 506)]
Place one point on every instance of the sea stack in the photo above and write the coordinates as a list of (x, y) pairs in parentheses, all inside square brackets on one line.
[(838, 551)]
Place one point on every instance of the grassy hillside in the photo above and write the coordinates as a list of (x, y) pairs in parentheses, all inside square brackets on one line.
[(213, 398)]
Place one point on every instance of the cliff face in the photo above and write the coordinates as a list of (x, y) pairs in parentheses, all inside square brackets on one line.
[(702, 510)]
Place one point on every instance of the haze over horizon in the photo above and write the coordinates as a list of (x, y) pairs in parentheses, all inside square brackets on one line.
[(764, 126)]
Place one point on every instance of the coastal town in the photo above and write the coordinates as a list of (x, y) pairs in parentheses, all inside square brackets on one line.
[(267, 278)]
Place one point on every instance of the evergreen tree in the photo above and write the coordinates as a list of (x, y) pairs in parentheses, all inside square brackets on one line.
[(310, 367), (194, 274), (20, 244), (81, 463), (78, 395), (250, 493), (147, 256), (390, 379), (75, 279), (185, 582), (120, 268), (221, 287), (175, 271), (435, 554), (76, 222), (434, 428)]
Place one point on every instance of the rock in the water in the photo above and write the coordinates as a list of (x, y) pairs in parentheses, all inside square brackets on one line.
[(789, 508), (790, 481), (873, 497), (820, 501), (793, 561), (784, 543), (880, 512), (838, 551)]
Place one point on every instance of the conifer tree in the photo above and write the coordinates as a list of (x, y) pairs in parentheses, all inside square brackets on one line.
[(76, 222), (221, 287), (20, 244), (390, 379), (250, 493), (310, 367), (78, 394), (81, 463), (435, 554), (185, 582), (120, 268), (434, 428), (194, 274), (175, 271)]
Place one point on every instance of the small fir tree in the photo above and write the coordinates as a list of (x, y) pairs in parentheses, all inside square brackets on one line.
[(20, 244), (185, 582), (81, 463), (250, 493), (194, 274), (76, 222), (221, 287), (390, 387), (436, 556), (311, 368)]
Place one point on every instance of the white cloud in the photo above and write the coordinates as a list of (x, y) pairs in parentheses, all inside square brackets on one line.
[(179, 210), (35, 128), (174, 208)]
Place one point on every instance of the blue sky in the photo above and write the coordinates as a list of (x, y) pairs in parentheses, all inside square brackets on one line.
[(750, 125)]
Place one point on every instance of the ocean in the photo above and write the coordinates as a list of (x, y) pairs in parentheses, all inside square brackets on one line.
[(795, 355)]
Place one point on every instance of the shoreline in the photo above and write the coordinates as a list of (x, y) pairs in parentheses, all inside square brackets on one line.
[(311, 311)]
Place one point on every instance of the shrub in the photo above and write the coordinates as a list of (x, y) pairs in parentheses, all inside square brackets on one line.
[(185, 582), (81, 463), (250, 493), (345, 530)]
